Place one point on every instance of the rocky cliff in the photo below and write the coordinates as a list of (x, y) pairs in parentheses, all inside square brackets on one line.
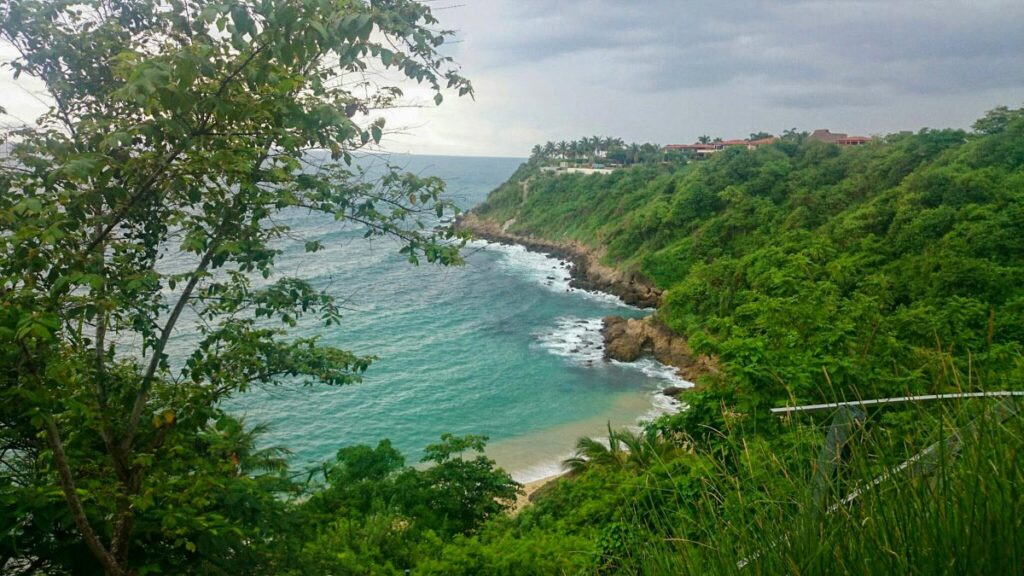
[(587, 271), (627, 339)]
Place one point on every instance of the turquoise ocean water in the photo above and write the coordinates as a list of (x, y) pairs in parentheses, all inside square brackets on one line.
[(500, 347)]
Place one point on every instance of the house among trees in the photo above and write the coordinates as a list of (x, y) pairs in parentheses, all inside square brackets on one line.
[(824, 135), (704, 149)]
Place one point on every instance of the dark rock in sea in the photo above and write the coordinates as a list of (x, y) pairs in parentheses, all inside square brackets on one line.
[(673, 391), (627, 339), (624, 340), (621, 343), (584, 263)]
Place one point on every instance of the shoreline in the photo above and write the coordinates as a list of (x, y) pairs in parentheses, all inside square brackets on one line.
[(587, 273), (586, 270), (625, 340), (530, 489)]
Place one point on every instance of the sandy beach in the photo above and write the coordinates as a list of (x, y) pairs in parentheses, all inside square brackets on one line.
[(529, 488)]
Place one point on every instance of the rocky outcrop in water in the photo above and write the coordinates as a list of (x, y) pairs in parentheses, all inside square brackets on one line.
[(586, 270), (627, 339)]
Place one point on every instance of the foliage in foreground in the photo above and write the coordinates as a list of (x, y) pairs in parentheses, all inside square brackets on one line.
[(751, 506), (180, 127), (147, 194)]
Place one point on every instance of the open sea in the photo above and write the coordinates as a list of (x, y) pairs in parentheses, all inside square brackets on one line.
[(500, 347)]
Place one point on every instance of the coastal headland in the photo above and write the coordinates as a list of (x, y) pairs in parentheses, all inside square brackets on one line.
[(587, 271), (625, 339)]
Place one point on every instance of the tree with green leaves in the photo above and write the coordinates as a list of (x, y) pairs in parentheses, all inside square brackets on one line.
[(563, 150), (180, 127), (621, 450), (997, 120)]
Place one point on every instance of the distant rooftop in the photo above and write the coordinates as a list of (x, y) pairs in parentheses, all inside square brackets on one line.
[(711, 147), (824, 135)]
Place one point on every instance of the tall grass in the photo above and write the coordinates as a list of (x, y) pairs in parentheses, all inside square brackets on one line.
[(960, 510)]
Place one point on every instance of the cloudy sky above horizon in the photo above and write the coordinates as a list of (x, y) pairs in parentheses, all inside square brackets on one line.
[(667, 71)]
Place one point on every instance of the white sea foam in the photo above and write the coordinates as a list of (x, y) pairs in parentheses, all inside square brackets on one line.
[(541, 470), (661, 405), (579, 340), (550, 272)]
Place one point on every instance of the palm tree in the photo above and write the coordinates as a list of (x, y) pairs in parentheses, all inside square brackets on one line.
[(638, 450), (537, 153), (634, 153), (549, 149), (648, 152), (563, 149), (591, 452), (592, 145), (237, 444), (645, 447), (704, 139)]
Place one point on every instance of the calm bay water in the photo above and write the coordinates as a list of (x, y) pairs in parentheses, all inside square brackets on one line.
[(499, 347)]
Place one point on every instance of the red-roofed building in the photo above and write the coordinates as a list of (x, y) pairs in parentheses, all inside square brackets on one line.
[(755, 144), (853, 141), (688, 147), (704, 150), (823, 135)]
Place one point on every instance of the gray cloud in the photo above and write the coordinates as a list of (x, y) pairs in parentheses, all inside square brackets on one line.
[(670, 70), (665, 45)]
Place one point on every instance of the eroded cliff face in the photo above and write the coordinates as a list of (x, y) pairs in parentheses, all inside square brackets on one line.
[(627, 339), (587, 271)]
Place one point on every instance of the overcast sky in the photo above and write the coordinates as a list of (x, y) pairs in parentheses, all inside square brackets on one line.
[(667, 71)]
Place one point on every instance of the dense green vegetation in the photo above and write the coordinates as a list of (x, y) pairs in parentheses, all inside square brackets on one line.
[(592, 149), (749, 506), (177, 130), (813, 273), (869, 271), (182, 127)]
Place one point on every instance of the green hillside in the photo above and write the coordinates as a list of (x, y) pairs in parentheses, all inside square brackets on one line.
[(889, 268), (814, 273)]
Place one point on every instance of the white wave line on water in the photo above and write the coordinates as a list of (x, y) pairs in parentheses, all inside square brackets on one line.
[(576, 339), (548, 271), (579, 340), (541, 470)]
